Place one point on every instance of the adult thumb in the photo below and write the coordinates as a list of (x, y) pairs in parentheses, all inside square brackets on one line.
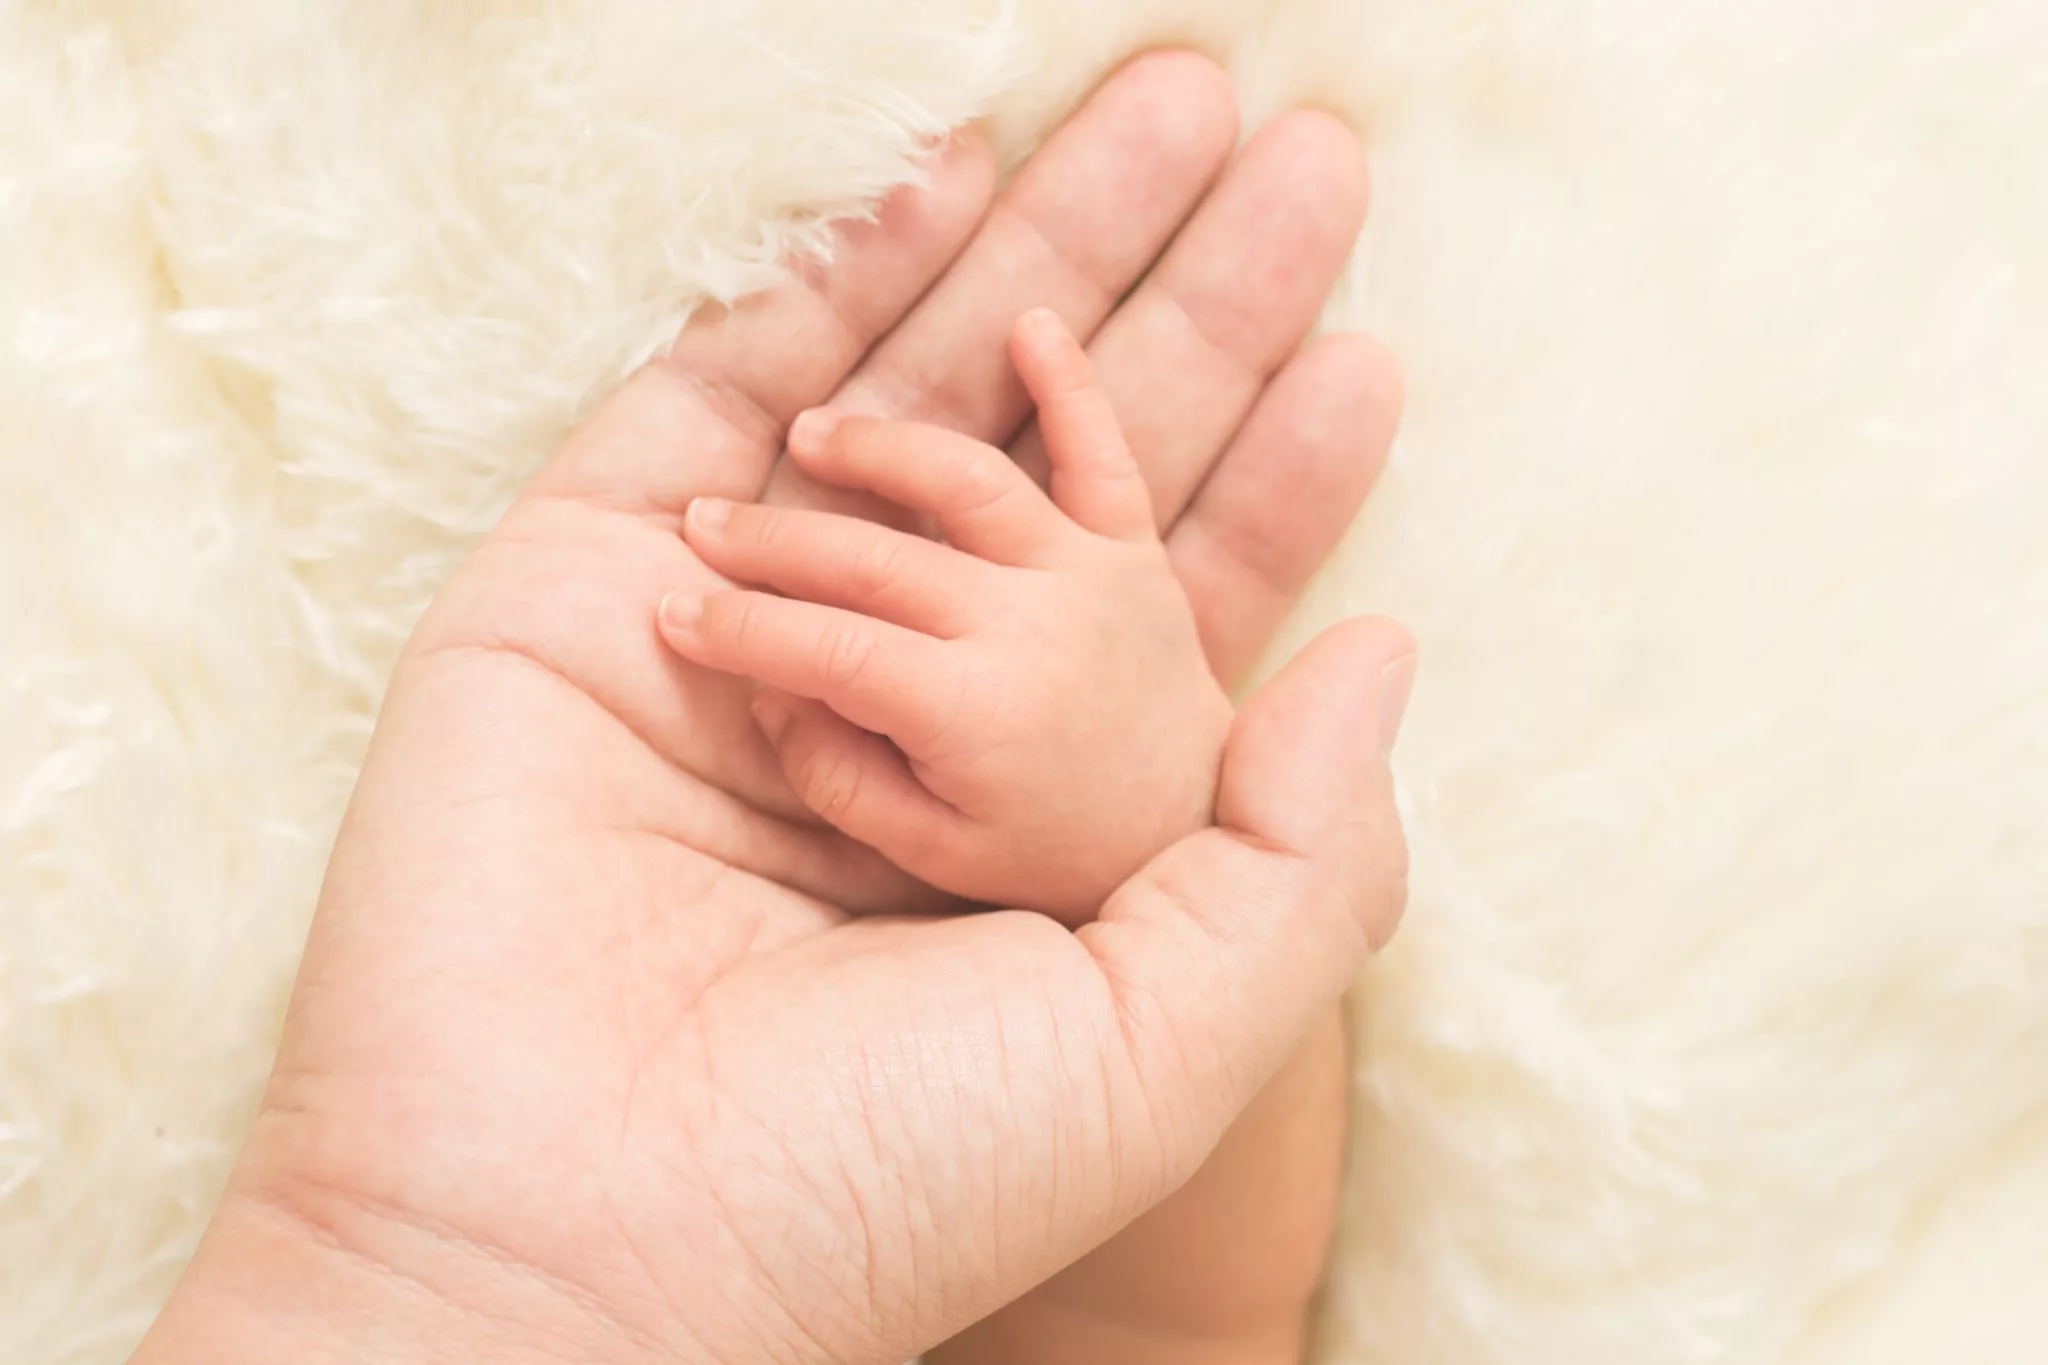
[(1228, 946)]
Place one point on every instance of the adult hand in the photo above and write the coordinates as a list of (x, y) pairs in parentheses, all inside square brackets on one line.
[(591, 1056)]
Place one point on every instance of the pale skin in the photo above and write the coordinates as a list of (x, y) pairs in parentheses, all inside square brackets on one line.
[(605, 1049), (1021, 715)]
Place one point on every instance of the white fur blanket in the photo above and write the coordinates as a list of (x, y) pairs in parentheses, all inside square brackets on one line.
[(1719, 1029)]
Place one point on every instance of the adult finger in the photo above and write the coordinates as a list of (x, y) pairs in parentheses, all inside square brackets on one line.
[(1187, 355), (708, 418), (1284, 492), (1225, 949), (1081, 222)]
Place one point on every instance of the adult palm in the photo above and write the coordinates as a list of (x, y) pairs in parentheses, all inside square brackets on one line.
[(600, 1040)]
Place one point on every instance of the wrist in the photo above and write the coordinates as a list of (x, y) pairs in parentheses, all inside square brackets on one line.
[(1226, 1271), (1050, 1334), (269, 1285)]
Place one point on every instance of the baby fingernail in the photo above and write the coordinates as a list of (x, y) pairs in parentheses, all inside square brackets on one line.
[(812, 428), (680, 610), (1397, 680), (708, 514)]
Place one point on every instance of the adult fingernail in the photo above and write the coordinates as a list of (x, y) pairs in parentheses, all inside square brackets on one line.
[(771, 713), (680, 610), (1397, 681), (812, 428), (708, 514)]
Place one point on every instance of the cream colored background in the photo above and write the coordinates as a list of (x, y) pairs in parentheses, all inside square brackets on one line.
[(1719, 1031)]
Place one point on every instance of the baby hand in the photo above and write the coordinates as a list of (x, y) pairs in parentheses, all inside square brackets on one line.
[(1021, 715)]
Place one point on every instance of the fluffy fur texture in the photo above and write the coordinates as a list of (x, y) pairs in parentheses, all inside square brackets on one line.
[(1719, 1029)]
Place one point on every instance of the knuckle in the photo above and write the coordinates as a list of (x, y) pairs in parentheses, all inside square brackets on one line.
[(766, 527), (844, 651), (877, 566), (734, 616), (978, 486), (831, 784)]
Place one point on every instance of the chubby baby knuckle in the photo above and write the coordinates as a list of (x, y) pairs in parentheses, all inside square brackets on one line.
[(979, 484), (877, 566), (766, 526), (730, 617), (831, 783), (844, 651)]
